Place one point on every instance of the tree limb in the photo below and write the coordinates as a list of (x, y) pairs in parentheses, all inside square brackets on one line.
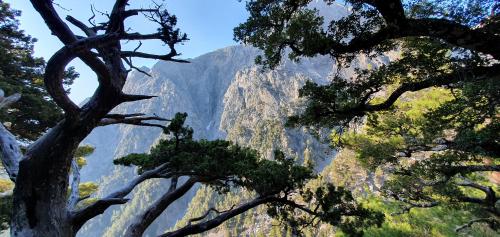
[(210, 210), (131, 98), (478, 74), (411, 205), (166, 57), (468, 183), (481, 73), (133, 120), (11, 152), (492, 223), (212, 223), (74, 196), (465, 169), (81, 216), (398, 26), (9, 100), (144, 220), (10, 149), (87, 30)]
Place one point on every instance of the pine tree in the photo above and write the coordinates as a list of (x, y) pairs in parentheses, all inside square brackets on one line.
[(450, 45), (21, 72)]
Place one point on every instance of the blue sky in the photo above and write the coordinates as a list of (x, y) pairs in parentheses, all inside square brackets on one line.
[(208, 23)]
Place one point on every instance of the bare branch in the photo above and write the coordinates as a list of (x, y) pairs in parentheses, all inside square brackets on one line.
[(81, 216), (10, 149), (210, 210), (166, 57), (88, 31), (9, 100), (131, 98), (492, 223), (11, 152), (135, 12), (468, 183), (84, 198), (116, 17), (212, 223), (139, 36), (97, 208), (131, 65), (54, 75), (144, 220), (53, 21), (133, 120), (118, 116), (74, 196)]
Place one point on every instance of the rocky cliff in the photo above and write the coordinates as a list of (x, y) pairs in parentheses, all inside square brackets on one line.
[(226, 96)]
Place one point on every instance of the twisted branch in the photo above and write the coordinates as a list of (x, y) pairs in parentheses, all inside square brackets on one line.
[(118, 197)]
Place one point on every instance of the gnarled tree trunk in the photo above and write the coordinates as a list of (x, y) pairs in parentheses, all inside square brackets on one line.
[(41, 184)]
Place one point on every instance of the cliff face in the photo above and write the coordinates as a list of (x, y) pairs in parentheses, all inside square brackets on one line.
[(226, 96)]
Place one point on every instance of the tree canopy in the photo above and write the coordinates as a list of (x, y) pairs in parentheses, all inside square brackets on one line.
[(445, 46), (225, 166), (430, 116), (48, 197), (21, 72)]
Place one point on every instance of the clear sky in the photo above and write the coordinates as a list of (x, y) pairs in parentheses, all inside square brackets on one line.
[(208, 23)]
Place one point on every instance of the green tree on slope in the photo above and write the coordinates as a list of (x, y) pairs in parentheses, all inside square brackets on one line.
[(451, 45), (48, 199)]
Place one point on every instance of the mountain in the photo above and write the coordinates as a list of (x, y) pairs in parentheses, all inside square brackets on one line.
[(225, 96)]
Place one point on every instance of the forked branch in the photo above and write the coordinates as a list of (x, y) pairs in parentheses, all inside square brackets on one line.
[(144, 220), (118, 197)]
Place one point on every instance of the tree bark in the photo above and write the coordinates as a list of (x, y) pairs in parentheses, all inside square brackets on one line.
[(40, 197)]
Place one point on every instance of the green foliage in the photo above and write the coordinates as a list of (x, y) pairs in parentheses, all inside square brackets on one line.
[(337, 207), (87, 188), (219, 163), (469, 12), (439, 221), (6, 185), (21, 72), (469, 127), (84, 150), (80, 154), (346, 171), (431, 115), (274, 25), (226, 167)]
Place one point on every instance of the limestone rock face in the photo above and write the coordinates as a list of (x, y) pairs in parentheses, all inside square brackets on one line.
[(226, 96)]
